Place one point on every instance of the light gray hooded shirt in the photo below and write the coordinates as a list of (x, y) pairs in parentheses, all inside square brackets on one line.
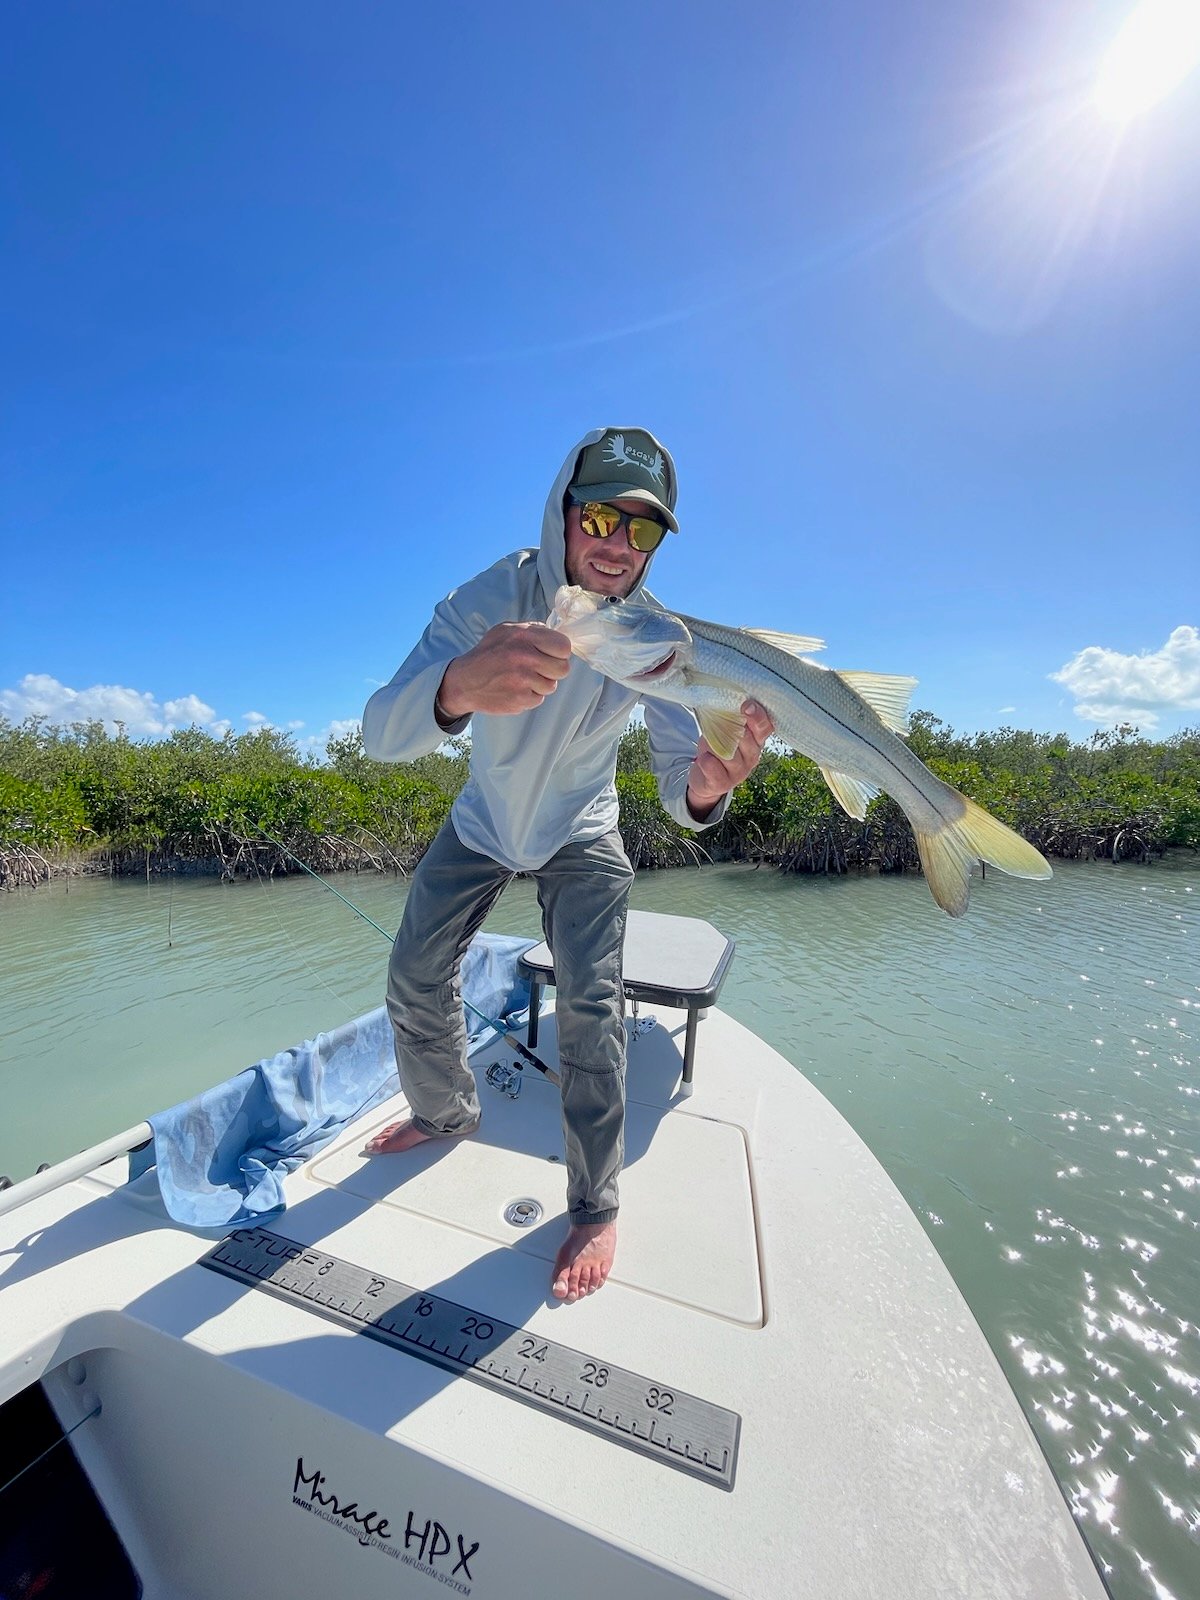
[(542, 778)]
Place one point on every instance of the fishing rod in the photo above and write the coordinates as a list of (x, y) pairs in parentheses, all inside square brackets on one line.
[(501, 1028)]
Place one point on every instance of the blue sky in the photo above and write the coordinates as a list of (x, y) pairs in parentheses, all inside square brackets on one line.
[(305, 304)]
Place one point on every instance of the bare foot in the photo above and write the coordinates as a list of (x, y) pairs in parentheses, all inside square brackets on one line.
[(584, 1260), (400, 1136)]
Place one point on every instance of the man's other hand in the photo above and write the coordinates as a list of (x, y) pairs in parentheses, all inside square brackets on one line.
[(710, 779)]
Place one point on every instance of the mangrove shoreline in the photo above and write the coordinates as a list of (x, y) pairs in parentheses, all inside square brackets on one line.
[(79, 800)]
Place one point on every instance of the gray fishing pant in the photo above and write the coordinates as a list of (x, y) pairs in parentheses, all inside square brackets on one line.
[(583, 892)]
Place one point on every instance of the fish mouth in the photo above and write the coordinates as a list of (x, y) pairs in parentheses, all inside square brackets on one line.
[(657, 671)]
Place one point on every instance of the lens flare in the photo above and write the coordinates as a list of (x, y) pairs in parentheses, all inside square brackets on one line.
[(1155, 50)]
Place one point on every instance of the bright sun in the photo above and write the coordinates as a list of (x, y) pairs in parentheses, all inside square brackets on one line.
[(1156, 48)]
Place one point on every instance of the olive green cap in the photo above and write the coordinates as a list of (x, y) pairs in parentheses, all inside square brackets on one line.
[(627, 464)]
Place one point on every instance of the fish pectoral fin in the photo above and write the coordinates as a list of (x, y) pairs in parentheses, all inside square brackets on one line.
[(722, 729), (887, 697), (854, 795), (796, 644)]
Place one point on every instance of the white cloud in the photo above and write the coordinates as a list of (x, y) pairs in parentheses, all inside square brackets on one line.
[(39, 695), (183, 712), (1110, 687), (1004, 710), (337, 729), (145, 717)]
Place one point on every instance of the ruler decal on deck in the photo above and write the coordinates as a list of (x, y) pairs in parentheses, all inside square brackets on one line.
[(660, 1421)]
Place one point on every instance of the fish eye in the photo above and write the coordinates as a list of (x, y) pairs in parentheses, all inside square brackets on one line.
[(613, 600)]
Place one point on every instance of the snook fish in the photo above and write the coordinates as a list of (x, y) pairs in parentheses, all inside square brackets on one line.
[(847, 722)]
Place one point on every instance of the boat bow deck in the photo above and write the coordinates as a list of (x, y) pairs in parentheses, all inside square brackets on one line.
[(767, 1264)]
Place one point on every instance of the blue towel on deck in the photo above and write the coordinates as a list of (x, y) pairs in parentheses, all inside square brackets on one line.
[(221, 1158)]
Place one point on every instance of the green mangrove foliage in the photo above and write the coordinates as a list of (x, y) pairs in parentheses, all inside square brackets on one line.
[(82, 798)]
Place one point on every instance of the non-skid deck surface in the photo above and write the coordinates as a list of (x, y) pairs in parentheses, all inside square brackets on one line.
[(686, 1180)]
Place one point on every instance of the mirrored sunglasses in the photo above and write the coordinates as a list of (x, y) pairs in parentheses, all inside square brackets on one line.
[(599, 520)]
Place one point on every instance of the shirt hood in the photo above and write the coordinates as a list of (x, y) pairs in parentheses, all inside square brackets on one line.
[(552, 556)]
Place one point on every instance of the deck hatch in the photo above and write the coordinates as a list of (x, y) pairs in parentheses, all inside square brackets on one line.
[(655, 1418)]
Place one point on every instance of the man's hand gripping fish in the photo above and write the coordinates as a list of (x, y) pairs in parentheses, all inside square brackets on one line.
[(847, 722)]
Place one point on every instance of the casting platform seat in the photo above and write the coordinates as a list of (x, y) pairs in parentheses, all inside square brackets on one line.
[(668, 961)]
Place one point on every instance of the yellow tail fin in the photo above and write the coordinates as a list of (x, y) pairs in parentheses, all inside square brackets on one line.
[(947, 855)]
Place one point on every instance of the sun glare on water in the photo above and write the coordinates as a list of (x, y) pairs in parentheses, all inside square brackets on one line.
[(1155, 50)]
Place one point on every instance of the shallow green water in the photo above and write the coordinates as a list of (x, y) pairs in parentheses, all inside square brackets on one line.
[(1029, 1077)]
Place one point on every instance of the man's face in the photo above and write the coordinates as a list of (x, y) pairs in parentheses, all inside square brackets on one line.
[(604, 566)]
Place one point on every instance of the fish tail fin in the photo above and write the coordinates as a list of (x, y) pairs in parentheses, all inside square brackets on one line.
[(948, 853)]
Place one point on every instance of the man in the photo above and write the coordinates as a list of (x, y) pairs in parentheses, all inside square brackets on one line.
[(541, 799)]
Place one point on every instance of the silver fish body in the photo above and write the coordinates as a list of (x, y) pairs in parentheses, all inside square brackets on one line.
[(846, 723)]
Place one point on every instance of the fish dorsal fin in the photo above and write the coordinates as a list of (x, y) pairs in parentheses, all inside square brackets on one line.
[(796, 644), (722, 729), (887, 697), (854, 795)]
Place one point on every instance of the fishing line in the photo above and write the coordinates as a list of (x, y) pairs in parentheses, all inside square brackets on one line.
[(266, 889), (505, 1032), (94, 1412)]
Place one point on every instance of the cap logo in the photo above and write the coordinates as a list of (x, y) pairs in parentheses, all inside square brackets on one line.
[(617, 452)]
